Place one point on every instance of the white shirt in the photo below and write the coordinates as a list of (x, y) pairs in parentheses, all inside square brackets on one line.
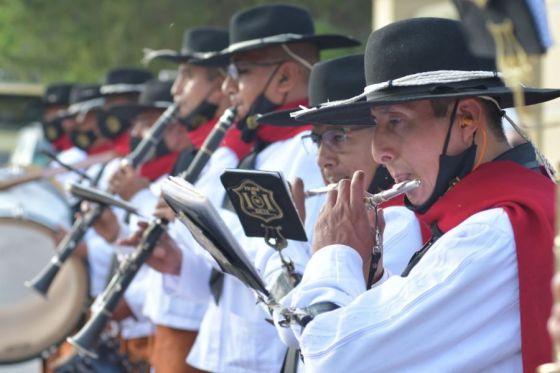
[(402, 237), (234, 336), (101, 254), (69, 156), (174, 309), (458, 310)]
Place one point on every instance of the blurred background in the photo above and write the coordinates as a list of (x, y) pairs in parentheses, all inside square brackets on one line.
[(42, 42)]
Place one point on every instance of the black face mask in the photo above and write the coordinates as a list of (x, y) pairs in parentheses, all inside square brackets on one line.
[(452, 168), (382, 180), (53, 129), (248, 124), (83, 139), (111, 126), (200, 115), (161, 147)]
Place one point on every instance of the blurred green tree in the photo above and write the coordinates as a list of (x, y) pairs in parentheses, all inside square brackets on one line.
[(79, 40)]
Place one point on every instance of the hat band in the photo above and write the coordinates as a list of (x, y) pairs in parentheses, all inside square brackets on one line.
[(152, 54), (85, 106), (121, 88), (418, 79), (282, 38)]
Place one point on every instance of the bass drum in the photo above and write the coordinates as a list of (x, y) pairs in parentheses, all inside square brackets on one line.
[(32, 325)]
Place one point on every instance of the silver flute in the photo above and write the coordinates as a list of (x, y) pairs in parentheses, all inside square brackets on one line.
[(372, 200)]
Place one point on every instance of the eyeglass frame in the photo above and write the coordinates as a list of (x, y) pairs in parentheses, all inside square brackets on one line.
[(232, 70), (317, 139)]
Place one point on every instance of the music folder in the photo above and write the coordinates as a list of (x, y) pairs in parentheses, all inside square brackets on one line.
[(208, 228), (264, 204)]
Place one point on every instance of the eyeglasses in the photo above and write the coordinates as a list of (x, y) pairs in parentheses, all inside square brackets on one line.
[(235, 70), (334, 139)]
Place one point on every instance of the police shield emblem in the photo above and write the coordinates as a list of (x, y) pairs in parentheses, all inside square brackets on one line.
[(257, 201)]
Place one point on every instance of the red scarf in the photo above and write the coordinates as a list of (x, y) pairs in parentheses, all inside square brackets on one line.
[(270, 134), (120, 145), (528, 199), (232, 140), (155, 168), (198, 135), (62, 143), (265, 132)]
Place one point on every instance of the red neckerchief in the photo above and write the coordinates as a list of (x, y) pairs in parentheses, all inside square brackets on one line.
[(120, 145), (270, 134), (198, 135), (155, 168), (528, 199), (232, 140), (63, 143)]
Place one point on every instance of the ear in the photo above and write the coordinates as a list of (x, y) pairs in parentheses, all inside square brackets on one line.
[(286, 77), (470, 117)]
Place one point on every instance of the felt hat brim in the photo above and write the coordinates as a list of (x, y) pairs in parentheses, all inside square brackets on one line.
[(326, 41), (129, 111), (358, 113)]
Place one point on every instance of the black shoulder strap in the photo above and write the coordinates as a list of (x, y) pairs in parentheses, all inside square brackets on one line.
[(183, 161), (247, 163), (436, 234)]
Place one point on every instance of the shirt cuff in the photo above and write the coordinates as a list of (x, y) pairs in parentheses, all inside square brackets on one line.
[(334, 274)]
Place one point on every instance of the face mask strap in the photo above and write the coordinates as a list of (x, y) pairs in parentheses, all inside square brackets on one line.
[(451, 120)]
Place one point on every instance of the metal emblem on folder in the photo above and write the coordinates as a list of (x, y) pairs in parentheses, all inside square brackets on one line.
[(257, 201)]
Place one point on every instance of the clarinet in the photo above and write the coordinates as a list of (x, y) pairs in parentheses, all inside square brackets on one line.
[(43, 280), (87, 338)]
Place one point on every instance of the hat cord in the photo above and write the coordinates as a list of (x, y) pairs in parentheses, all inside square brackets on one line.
[(540, 156), (294, 55)]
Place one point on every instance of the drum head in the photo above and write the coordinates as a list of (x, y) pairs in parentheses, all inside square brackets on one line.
[(30, 324)]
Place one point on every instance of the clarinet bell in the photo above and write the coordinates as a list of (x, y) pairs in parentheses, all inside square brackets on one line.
[(44, 279), (86, 340)]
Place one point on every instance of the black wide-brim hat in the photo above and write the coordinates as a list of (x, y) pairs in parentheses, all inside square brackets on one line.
[(268, 25), (420, 59), (57, 94), (197, 43), (330, 80), (125, 80), (156, 95), (83, 98)]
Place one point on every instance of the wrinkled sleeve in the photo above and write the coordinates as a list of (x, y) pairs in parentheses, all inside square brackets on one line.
[(462, 296)]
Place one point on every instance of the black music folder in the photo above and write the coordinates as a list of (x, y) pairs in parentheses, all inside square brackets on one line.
[(264, 204), (208, 228)]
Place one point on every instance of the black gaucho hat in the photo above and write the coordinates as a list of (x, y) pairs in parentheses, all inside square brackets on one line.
[(197, 42), (57, 94), (268, 25), (156, 95), (125, 80), (83, 98), (330, 80), (419, 59)]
